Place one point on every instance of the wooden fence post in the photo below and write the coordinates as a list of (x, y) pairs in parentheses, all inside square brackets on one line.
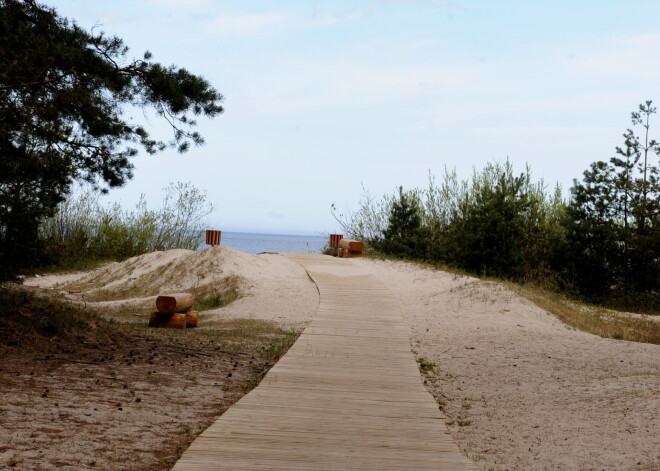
[(213, 237)]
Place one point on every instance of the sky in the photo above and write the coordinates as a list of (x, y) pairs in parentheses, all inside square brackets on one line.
[(325, 98)]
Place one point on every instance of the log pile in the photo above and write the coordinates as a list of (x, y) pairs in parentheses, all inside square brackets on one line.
[(174, 311), (349, 248)]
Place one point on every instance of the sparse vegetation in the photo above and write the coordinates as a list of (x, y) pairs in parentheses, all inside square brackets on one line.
[(594, 319), (218, 294), (120, 367), (425, 365), (29, 316), (600, 246), (84, 232)]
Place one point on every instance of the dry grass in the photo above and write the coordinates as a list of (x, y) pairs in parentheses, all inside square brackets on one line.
[(123, 389), (593, 319), (217, 294), (119, 281), (596, 320), (233, 335)]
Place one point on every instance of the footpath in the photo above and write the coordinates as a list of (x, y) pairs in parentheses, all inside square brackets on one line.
[(346, 396)]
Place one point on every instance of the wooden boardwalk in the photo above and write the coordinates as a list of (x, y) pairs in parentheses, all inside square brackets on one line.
[(347, 395)]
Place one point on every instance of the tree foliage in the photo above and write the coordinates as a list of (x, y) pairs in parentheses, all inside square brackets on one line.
[(614, 219), (497, 223), (404, 235), (83, 230), (488, 239), (65, 94), (603, 245)]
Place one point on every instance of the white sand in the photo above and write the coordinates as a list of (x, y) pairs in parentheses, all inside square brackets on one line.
[(521, 391), (273, 287), (537, 395)]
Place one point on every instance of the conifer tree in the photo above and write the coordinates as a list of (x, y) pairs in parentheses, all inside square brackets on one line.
[(64, 96), (614, 219), (403, 235)]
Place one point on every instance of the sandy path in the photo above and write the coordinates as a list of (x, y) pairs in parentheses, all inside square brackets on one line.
[(347, 395), (536, 394)]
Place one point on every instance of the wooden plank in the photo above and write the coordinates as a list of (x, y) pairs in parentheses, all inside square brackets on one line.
[(347, 395)]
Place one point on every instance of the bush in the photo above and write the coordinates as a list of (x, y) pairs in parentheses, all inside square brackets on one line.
[(368, 222), (83, 230), (404, 235), (504, 225), (495, 224)]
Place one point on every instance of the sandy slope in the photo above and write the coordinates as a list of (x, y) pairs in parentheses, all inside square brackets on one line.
[(273, 288), (521, 391), (123, 400), (536, 394)]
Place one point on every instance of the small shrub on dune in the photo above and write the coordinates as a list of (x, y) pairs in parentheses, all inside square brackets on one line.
[(84, 231)]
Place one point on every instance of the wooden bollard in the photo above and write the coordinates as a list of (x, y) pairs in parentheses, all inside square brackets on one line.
[(352, 245), (192, 318), (334, 240), (213, 237), (174, 311)]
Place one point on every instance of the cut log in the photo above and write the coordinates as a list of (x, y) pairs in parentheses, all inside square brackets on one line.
[(172, 321), (340, 252), (172, 303), (192, 318), (352, 245), (351, 254)]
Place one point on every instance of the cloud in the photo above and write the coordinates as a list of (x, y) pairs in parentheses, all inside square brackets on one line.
[(247, 25), (332, 12), (321, 85), (622, 56), (184, 5)]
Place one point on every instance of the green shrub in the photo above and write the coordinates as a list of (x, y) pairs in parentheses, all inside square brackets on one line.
[(83, 230), (404, 235), (496, 223)]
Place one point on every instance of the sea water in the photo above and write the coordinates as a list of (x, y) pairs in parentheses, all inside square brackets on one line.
[(257, 243)]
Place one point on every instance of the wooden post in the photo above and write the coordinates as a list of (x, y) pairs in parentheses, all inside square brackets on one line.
[(213, 237), (334, 240)]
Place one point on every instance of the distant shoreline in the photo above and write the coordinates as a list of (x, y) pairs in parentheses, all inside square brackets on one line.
[(254, 243)]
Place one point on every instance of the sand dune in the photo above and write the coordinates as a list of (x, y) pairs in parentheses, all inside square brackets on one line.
[(521, 391)]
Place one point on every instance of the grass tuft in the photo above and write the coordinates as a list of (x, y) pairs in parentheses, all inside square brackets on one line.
[(425, 365), (593, 319), (29, 316)]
